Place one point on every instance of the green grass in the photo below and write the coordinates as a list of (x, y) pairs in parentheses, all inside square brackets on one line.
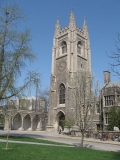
[(28, 139), (36, 152)]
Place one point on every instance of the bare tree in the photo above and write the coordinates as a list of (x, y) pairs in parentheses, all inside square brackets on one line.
[(85, 93), (7, 121), (1, 116), (7, 124), (115, 56), (44, 94), (15, 53), (70, 121), (1, 119)]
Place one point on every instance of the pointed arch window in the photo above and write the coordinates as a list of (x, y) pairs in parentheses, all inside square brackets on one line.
[(107, 115), (83, 109), (64, 47), (79, 44), (62, 94)]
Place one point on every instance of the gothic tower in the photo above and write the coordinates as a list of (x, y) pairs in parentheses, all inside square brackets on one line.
[(71, 50)]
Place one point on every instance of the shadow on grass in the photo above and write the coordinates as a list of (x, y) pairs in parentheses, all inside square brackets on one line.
[(1, 128), (89, 146), (23, 135), (85, 145), (116, 155)]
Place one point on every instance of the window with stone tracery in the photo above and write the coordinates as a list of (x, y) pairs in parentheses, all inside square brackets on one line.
[(64, 47), (109, 100), (83, 109), (79, 47), (106, 118), (97, 108), (62, 94)]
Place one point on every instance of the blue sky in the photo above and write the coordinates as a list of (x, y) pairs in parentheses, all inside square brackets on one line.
[(103, 19)]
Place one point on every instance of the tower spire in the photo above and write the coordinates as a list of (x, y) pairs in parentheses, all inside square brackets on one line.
[(57, 27), (84, 23), (85, 28), (72, 24)]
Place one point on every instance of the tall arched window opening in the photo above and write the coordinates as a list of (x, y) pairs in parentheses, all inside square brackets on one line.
[(64, 47), (62, 94), (79, 47)]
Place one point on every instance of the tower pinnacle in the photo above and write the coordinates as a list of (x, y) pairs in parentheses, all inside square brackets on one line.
[(85, 28), (72, 24), (57, 27), (84, 24)]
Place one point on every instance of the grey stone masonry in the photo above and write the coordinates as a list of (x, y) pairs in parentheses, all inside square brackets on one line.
[(71, 51)]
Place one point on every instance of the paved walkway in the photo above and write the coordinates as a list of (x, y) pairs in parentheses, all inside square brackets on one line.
[(74, 141), (43, 144), (55, 134), (86, 139)]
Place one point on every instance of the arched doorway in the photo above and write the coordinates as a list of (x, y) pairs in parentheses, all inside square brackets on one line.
[(26, 122), (60, 121), (36, 122), (17, 122)]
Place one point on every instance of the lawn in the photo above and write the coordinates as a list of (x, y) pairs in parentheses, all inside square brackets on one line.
[(37, 152)]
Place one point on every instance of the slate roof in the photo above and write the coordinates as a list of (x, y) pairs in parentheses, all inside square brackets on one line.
[(112, 84)]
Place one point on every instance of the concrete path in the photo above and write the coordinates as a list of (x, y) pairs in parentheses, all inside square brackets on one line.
[(43, 144), (44, 134), (85, 139)]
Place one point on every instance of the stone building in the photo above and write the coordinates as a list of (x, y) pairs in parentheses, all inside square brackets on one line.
[(28, 103), (109, 96), (71, 51), (26, 114)]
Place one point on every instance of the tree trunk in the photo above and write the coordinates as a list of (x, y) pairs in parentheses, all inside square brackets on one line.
[(7, 140), (6, 148), (82, 138)]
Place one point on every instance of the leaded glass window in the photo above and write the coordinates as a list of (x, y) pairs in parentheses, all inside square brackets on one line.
[(62, 94), (79, 47), (64, 47)]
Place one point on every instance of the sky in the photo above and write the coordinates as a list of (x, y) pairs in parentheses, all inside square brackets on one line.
[(103, 20)]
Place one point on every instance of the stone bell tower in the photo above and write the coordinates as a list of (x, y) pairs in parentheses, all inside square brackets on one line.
[(71, 51)]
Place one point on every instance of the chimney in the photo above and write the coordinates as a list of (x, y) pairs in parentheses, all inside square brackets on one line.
[(106, 77)]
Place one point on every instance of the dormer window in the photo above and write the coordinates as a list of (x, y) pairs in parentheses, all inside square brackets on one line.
[(64, 47)]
